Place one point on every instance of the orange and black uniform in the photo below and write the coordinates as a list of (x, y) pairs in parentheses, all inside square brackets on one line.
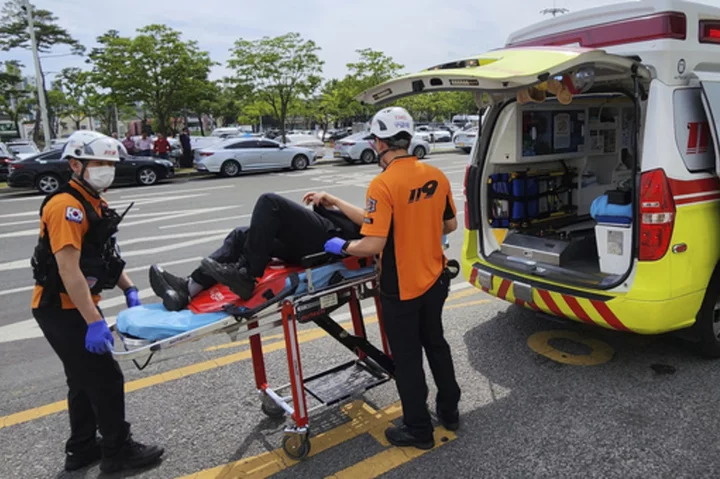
[(407, 204), (95, 382)]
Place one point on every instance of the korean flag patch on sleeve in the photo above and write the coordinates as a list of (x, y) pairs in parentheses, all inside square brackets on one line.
[(74, 214)]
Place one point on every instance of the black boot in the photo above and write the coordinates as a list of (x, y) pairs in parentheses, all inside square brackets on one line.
[(402, 437), (450, 421), (131, 455), (172, 289), (80, 459), (231, 275)]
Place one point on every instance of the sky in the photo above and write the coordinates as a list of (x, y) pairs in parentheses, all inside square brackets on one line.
[(415, 33)]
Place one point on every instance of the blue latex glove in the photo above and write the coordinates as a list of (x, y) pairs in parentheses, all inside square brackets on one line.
[(98, 337), (132, 298), (335, 246)]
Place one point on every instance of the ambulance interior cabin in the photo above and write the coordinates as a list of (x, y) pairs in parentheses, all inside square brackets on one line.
[(548, 167)]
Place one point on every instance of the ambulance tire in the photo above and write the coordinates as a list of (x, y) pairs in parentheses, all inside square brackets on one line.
[(707, 321)]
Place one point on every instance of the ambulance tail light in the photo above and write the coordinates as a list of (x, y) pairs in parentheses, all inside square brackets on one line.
[(710, 31), (657, 215)]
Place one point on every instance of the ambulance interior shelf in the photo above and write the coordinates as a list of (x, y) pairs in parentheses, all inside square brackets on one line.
[(546, 167)]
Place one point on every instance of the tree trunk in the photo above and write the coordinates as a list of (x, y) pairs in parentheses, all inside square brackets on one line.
[(202, 127)]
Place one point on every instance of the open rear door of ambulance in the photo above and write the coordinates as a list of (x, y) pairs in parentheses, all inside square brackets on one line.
[(506, 71), (710, 82)]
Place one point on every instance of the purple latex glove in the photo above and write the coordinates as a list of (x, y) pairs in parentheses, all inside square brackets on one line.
[(132, 298), (335, 246), (99, 339)]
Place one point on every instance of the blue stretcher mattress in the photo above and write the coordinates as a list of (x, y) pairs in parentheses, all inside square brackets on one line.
[(153, 322), (604, 212)]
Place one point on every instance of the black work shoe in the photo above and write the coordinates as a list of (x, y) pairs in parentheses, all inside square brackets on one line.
[(172, 289), (78, 460), (132, 455), (450, 421), (235, 278), (402, 437)]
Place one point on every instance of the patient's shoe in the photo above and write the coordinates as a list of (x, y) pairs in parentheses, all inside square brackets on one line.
[(234, 277), (172, 289)]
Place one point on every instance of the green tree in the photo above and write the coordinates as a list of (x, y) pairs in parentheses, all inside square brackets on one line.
[(14, 33), (156, 68), (80, 92), (279, 70), (372, 68), (16, 99)]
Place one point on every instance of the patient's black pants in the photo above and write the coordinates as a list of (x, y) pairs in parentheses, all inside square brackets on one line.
[(279, 228)]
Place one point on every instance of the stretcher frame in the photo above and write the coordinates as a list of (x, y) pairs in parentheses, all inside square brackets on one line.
[(315, 306)]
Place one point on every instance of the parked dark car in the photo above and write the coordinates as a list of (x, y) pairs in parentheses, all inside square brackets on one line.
[(6, 157), (47, 171)]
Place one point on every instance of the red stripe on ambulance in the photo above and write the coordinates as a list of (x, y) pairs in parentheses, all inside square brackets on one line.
[(504, 287), (577, 309), (608, 315), (551, 303)]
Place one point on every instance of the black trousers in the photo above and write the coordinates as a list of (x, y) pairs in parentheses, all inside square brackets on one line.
[(412, 326), (96, 394), (230, 252), (279, 228)]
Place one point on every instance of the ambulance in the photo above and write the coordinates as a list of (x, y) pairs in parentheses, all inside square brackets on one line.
[(592, 193)]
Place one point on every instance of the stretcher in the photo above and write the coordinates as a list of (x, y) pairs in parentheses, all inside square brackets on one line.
[(285, 297)]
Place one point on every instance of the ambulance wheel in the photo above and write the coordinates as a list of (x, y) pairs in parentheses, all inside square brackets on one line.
[(272, 410), (707, 321), (367, 157), (296, 446)]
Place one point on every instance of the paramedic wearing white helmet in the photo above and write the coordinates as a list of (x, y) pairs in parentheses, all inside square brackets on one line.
[(75, 258), (409, 207)]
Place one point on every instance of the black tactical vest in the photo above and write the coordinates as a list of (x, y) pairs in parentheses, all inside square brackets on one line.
[(100, 260)]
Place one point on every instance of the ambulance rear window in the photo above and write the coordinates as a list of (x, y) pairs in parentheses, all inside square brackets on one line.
[(692, 130)]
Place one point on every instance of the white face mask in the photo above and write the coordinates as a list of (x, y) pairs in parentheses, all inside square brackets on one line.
[(100, 177)]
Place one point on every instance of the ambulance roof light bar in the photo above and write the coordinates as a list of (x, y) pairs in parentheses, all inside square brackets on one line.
[(666, 25), (710, 31)]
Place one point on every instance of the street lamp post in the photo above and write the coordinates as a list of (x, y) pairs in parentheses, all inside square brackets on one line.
[(38, 76)]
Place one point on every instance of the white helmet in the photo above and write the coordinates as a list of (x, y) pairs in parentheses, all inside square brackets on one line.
[(91, 145), (388, 122)]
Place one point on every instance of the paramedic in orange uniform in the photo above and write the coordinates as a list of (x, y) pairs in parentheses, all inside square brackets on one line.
[(409, 207), (74, 260)]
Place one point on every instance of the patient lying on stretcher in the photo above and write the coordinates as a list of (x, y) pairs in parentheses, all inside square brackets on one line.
[(279, 228)]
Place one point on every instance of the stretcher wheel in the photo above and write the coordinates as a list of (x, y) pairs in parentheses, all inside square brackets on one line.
[(296, 446), (272, 410)]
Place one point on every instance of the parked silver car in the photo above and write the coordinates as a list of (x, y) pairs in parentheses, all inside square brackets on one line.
[(358, 147), (232, 156)]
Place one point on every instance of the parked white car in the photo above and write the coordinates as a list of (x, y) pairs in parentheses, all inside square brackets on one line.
[(306, 141), (433, 135), (465, 139), (232, 156), (359, 147), (23, 148)]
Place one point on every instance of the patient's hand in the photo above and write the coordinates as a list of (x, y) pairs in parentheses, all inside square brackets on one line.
[(320, 198)]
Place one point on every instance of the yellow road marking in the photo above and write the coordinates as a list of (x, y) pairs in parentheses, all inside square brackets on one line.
[(173, 374), (463, 294), (601, 352), (363, 418), (389, 459)]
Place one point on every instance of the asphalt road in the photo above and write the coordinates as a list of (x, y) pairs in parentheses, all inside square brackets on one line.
[(540, 398)]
